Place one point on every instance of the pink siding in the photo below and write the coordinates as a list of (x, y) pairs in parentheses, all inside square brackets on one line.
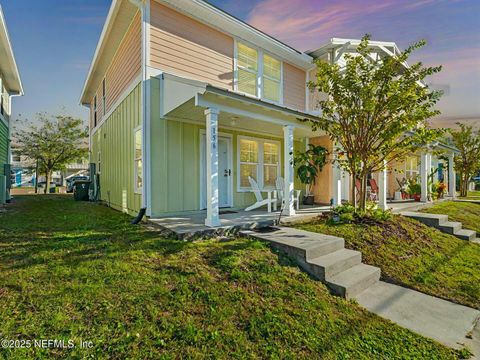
[(185, 47), (294, 84), (124, 68)]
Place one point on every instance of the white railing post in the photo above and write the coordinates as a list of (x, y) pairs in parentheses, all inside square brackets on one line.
[(289, 208), (424, 172), (451, 176), (213, 218)]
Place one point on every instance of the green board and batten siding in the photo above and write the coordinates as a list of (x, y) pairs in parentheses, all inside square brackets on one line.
[(175, 153), (114, 141), (3, 146)]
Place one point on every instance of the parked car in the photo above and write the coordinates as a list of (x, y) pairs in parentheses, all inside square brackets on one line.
[(71, 182)]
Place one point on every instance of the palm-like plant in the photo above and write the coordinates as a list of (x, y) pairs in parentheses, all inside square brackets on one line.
[(309, 164)]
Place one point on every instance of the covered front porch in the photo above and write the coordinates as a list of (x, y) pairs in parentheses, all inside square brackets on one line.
[(231, 138)]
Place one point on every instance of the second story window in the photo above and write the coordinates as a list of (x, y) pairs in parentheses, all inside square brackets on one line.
[(104, 97), (247, 70), (272, 70), (95, 111), (258, 74)]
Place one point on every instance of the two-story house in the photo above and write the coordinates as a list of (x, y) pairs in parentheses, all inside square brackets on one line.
[(187, 102), (10, 86)]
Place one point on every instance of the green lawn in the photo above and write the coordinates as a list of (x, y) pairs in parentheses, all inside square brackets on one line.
[(415, 255), (468, 213), (80, 271), (473, 194)]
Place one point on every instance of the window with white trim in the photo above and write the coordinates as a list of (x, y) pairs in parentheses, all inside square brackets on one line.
[(258, 74), (138, 163), (272, 70), (411, 167), (247, 69), (104, 97), (259, 159), (95, 111)]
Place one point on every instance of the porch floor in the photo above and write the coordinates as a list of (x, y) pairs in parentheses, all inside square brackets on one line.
[(192, 224)]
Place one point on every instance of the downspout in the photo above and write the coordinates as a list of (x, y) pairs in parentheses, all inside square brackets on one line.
[(144, 7)]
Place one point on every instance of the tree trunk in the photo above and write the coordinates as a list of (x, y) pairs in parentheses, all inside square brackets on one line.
[(463, 184), (36, 177), (363, 192), (47, 182)]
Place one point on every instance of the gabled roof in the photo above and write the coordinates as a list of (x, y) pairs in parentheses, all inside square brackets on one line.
[(389, 48), (8, 65), (118, 20)]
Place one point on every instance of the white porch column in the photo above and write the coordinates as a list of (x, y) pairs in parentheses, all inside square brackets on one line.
[(451, 176), (288, 170), (424, 172), (211, 157), (337, 184), (382, 185), (345, 185)]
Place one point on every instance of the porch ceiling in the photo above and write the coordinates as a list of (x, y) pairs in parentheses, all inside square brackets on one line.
[(241, 115)]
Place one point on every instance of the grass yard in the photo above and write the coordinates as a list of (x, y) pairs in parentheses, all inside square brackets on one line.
[(473, 194), (80, 271), (414, 255), (467, 213)]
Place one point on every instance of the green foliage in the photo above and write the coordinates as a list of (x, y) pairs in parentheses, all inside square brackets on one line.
[(415, 255), (77, 270), (375, 110), (347, 214), (310, 163), (55, 142), (413, 186), (467, 163)]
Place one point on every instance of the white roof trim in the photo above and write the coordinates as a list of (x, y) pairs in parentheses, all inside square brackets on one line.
[(5, 42)]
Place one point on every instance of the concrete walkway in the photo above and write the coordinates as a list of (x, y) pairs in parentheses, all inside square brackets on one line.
[(441, 320), (325, 258)]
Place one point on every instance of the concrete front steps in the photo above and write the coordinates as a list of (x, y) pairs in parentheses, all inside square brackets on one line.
[(441, 223), (324, 257)]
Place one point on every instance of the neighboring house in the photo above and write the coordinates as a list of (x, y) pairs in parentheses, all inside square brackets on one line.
[(10, 86), (23, 170), (187, 102)]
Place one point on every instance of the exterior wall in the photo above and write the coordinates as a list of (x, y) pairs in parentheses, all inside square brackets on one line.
[(3, 146), (322, 189), (124, 68), (185, 47), (294, 84), (175, 156), (114, 140), (6, 103)]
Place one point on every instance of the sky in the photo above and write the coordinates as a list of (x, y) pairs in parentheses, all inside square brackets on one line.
[(54, 41)]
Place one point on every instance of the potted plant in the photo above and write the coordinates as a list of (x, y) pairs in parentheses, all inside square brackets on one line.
[(414, 189), (442, 187), (309, 164)]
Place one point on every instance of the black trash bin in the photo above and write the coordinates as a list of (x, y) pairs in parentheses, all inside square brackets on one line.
[(80, 190)]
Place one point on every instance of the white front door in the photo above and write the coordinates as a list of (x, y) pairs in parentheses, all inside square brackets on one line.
[(225, 184)]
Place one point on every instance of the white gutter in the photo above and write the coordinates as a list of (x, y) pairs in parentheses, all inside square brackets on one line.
[(144, 6)]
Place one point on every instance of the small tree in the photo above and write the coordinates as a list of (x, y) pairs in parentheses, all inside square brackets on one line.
[(467, 163), (376, 111), (53, 143)]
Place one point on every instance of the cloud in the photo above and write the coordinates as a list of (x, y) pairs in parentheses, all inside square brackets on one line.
[(304, 22)]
